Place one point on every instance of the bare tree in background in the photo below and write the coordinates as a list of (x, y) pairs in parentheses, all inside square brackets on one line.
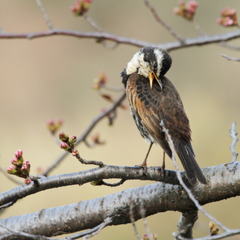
[(170, 192)]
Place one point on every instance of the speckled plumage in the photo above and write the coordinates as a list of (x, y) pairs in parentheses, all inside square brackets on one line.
[(149, 106)]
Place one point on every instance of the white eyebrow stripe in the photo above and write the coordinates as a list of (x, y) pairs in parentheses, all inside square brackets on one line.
[(159, 57)]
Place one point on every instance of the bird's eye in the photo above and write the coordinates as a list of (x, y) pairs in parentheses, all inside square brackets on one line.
[(155, 66)]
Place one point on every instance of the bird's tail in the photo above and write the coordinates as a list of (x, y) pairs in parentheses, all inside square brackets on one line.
[(186, 154)]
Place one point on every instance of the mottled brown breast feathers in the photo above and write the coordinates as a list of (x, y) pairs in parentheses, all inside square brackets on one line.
[(155, 105)]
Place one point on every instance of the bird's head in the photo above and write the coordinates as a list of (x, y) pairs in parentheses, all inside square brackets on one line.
[(150, 62)]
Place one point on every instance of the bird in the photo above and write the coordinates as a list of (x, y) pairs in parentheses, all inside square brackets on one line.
[(154, 103)]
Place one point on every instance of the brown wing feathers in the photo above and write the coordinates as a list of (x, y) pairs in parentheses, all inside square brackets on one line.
[(151, 106)]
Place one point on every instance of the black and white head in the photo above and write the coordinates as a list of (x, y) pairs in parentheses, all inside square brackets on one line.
[(150, 62)]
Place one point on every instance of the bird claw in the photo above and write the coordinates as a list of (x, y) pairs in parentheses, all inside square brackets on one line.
[(162, 171), (144, 167), (162, 168)]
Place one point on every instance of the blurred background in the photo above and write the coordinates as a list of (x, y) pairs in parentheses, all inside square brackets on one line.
[(52, 78)]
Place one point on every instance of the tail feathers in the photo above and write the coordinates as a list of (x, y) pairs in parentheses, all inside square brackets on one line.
[(186, 154)]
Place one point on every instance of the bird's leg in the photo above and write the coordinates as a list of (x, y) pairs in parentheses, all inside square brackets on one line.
[(163, 164), (144, 163)]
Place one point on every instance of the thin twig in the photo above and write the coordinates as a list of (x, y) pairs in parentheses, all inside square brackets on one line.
[(136, 232), (229, 46), (188, 42), (7, 205), (145, 223), (18, 234), (88, 162), (91, 232), (45, 14), (198, 29), (93, 23), (231, 58), (113, 184), (224, 235), (96, 27), (85, 134), (233, 134), (88, 144), (188, 191), (163, 23)]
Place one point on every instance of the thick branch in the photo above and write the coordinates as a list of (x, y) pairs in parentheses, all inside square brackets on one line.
[(186, 222), (223, 183), (188, 42), (80, 178)]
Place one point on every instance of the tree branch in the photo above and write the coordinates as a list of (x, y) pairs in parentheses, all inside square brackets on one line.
[(91, 232), (163, 23), (191, 193), (234, 134), (224, 235), (223, 182), (11, 235), (231, 58), (188, 42), (80, 178), (45, 14), (186, 223)]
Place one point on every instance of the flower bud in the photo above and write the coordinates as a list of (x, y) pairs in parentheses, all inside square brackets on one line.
[(54, 126), (228, 18), (25, 170), (63, 137), (65, 146), (211, 225), (186, 10), (96, 139), (17, 162), (26, 165), (12, 170), (215, 231), (153, 236), (27, 181), (80, 7), (14, 161), (97, 183), (75, 153), (19, 153), (100, 82)]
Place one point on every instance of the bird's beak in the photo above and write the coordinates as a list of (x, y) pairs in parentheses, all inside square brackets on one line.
[(153, 76)]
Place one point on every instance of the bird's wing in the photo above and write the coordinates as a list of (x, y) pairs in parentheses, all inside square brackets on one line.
[(145, 118), (155, 105), (152, 106)]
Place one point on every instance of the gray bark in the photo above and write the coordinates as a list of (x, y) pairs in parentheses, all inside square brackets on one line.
[(223, 183)]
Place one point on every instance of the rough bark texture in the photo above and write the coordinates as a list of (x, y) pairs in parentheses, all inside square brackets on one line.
[(186, 222), (223, 182)]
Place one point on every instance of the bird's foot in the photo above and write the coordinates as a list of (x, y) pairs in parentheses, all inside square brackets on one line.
[(144, 166), (162, 169)]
